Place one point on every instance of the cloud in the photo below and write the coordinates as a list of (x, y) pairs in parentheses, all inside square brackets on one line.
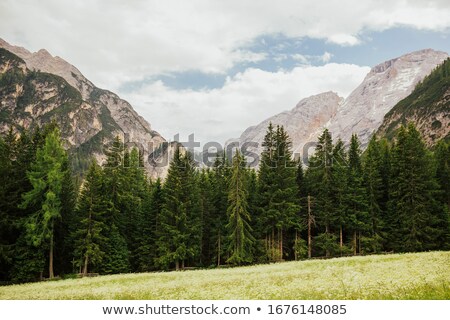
[(309, 59), (246, 99), (114, 41)]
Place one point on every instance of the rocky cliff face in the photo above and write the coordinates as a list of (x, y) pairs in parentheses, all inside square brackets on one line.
[(88, 116), (428, 107), (384, 86), (361, 112), (308, 116)]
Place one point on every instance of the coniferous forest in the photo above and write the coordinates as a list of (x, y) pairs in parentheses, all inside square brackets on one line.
[(393, 197)]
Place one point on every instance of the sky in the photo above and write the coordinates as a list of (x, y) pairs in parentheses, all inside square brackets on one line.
[(214, 68)]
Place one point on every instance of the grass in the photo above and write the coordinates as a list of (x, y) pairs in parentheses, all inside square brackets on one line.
[(396, 276)]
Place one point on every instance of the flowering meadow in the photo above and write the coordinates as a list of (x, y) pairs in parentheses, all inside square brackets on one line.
[(394, 276)]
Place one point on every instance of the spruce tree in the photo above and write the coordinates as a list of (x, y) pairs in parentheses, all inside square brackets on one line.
[(340, 192), (356, 198), (220, 176), (239, 230), (207, 221), (442, 159), (89, 235), (374, 191), (412, 198), (179, 236), (320, 180)]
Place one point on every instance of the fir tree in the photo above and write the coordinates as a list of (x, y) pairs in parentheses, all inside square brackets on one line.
[(356, 200), (412, 201), (320, 181), (241, 239), (340, 191), (220, 176), (90, 227), (374, 190), (180, 228)]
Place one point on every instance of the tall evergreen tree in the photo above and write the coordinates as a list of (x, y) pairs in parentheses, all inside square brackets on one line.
[(46, 177), (340, 191), (220, 176), (320, 180), (357, 205), (241, 239), (412, 198), (90, 227), (374, 190), (278, 203), (180, 229), (442, 158)]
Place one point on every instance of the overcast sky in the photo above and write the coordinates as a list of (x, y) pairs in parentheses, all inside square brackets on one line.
[(214, 68)]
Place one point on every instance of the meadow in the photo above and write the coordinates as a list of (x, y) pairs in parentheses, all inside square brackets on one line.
[(393, 276)]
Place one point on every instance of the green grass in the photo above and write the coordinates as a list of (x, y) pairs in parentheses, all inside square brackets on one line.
[(399, 276)]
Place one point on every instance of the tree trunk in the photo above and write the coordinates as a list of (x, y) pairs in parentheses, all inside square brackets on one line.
[(182, 264), (218, 253), (85, 269), (327, 231), (281, 244), (354, 243), (295, 246), (50, 262), (309, 228), (177, 265), (359, 242), (272, 254), (341, 241)]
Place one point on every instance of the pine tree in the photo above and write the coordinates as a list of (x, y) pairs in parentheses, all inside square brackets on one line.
[(374, 190), (179, 236), (278, 203), (412, 197), (340, 191), (220, 176), (320, 180), (46, 177), (148, 229), (90, 227), (207, 221), (115, 197), (241, 239), (442, 159), (356, 200), (132, 198), (301, 221), (264, 217)]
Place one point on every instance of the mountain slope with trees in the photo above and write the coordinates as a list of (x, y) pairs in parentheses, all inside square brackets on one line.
[(428, 107)]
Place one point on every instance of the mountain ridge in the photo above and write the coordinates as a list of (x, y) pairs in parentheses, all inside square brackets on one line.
[(363, 110), (102, 105)]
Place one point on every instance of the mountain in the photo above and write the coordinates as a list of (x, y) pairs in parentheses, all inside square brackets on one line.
[(308, 116), (428, 106), (37, 87), (362, 111), (384, 86)]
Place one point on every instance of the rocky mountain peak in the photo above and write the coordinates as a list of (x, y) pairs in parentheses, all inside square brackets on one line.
[(361, 112), (385, 85), (105, 114), (306, 117)]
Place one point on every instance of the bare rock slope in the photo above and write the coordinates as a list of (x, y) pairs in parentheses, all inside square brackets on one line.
[(361, 112), (88, 116)]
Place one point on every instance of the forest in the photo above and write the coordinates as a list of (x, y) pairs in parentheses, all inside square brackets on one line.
[(393, 197)]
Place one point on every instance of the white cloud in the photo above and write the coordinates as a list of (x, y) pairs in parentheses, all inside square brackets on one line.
[(326, 57), (244, 100), (116, 41)]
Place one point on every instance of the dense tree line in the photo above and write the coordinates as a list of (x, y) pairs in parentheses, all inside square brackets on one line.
[(393, 197)]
